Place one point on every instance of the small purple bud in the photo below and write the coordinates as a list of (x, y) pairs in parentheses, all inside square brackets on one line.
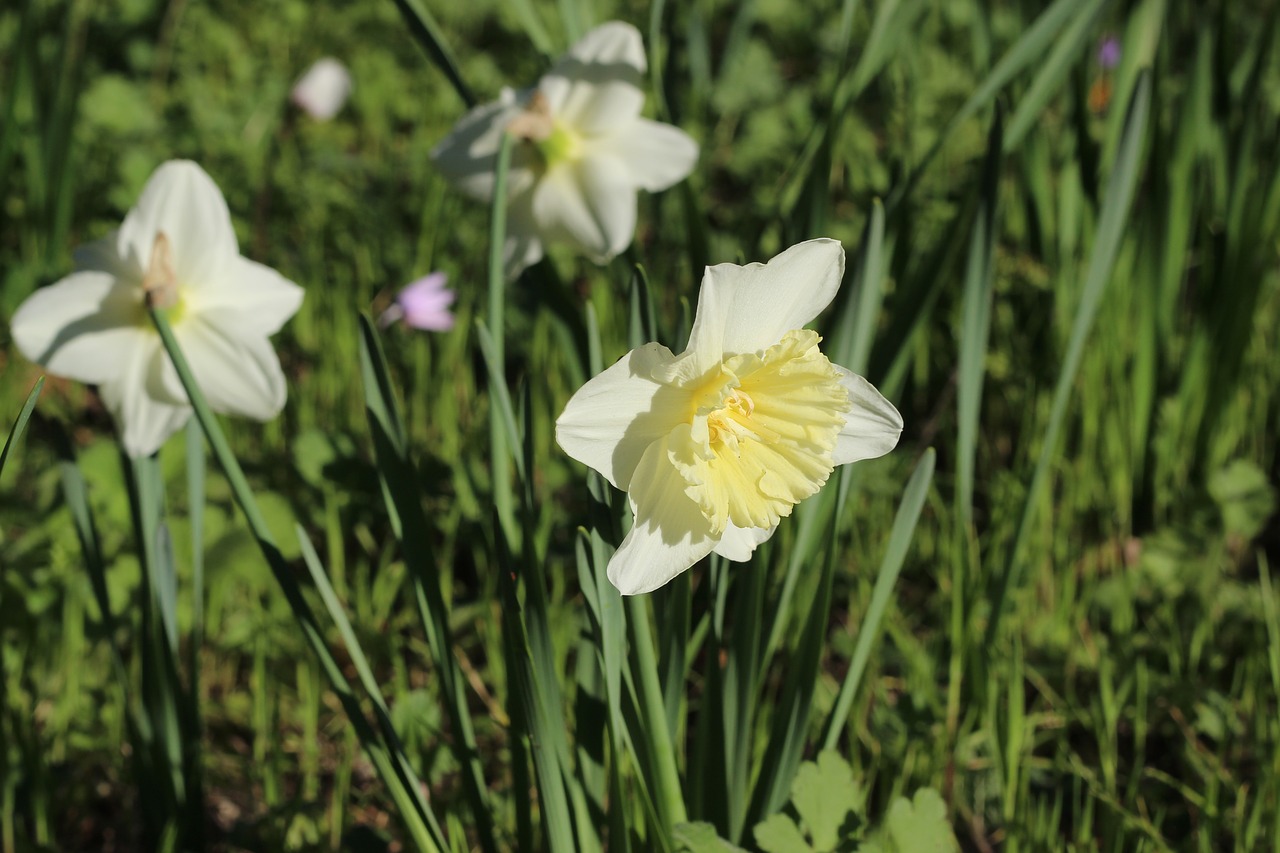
[(424, 304), (1109, 52)]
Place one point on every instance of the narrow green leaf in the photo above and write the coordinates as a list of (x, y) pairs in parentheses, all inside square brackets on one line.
[(904, 526), (1110, 233), (428, 34), (406, 791), (976, 323), (20, 425), (403, 497)]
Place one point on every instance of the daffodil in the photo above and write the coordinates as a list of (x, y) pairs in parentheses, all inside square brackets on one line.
[(714, 446), (323, 89), (583, 151), (175, 251)]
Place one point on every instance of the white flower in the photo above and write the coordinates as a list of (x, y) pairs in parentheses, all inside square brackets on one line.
[(176, 249), (584, 150), (323, 90), (715, 445)]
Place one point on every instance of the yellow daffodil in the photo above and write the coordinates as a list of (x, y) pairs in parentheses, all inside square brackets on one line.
[(176, 250), (715, 445), (583, 152)]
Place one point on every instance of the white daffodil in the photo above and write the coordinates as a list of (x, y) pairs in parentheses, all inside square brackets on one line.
[(583, 152), (715, 445), (322, 91), (175, 250)]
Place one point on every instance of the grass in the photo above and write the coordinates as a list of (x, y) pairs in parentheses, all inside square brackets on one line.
[(1053, 603)]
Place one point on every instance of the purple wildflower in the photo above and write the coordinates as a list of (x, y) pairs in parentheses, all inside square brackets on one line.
[(424, 304)]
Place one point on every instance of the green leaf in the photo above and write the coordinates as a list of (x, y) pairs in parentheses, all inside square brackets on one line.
[(779, 834), (914, 826), (1244, 497), (828, 801), (701, 838), (825, 794), (21, 423)]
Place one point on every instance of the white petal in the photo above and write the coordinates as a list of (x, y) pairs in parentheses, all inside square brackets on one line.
[(323, 90), (871, 428), (523, 246), (670, 533), (596, 86), (615, 417), (252, 298), (467, 157), (238, 376), (657, 155), (82, 326), (739, 543), (186, 204), (589, 203), (746, 309), (183, 202), (145, 422)]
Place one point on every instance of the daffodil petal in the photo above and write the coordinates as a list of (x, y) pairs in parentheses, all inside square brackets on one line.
[(523, 246), (467, 156), (872, 426), (590, 203), (237, 376), (748, 308), (80, 327), (183, 202), (597, 85), (670, 533), (252, 298), (739, 543), (145, 422), (614, 418), (658, 155)]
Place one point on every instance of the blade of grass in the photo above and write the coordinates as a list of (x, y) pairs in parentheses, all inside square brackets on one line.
[(1027, 51), (20, 425), (427, 32), (1110, 233), (403, 492), (900, 536), (1053, 71), (405, 790), (790, 726), (975, 329), (652, 711)]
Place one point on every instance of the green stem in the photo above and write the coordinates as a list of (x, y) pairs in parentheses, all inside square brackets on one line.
[(669, 794)]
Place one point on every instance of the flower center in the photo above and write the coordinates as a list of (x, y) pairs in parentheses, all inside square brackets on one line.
[(761, 432), (560, 146), (554, 142)]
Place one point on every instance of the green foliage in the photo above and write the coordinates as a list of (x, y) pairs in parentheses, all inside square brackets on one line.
[(831, 811), (1070, 625)]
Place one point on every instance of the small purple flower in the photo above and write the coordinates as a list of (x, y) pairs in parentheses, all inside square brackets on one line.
[(424, 304), (1109, 52)]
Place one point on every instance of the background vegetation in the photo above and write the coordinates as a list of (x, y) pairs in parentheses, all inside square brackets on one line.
[(1064, 274)]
